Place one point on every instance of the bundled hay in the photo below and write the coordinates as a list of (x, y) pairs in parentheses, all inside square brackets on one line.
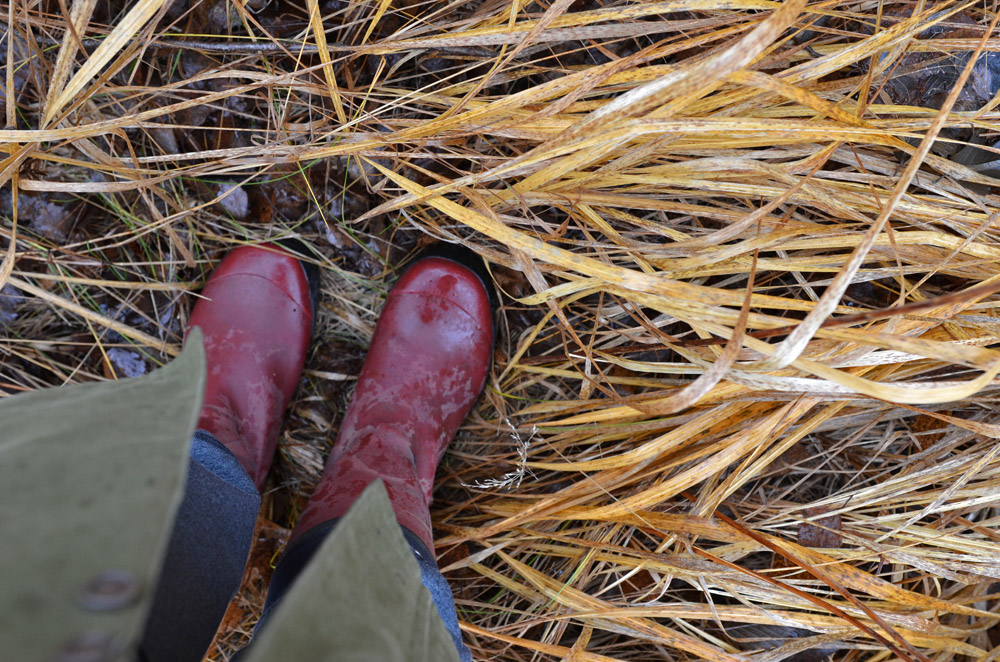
[(741, 406)]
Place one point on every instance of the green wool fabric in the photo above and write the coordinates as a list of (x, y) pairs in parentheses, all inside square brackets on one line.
[(360, 599), (90, 477), (90, 480)]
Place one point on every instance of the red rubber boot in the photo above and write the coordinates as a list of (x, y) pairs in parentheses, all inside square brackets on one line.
[(426, 367), (257, 318)]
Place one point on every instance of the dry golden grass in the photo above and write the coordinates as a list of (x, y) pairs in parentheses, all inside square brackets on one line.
[(742, 401)]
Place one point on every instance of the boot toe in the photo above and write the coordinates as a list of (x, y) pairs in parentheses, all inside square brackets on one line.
[(271, 263), (436, 277)]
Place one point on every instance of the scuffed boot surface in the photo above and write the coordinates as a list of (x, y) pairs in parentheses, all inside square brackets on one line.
[(426, 367), (256, 316)]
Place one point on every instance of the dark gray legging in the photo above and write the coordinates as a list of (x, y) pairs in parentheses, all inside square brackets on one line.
[(208, 550)]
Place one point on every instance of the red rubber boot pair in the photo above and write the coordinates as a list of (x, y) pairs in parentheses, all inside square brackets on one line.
[(426, 366)]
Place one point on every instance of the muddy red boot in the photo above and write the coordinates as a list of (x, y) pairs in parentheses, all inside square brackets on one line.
[(426, 366), (256, 315)]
